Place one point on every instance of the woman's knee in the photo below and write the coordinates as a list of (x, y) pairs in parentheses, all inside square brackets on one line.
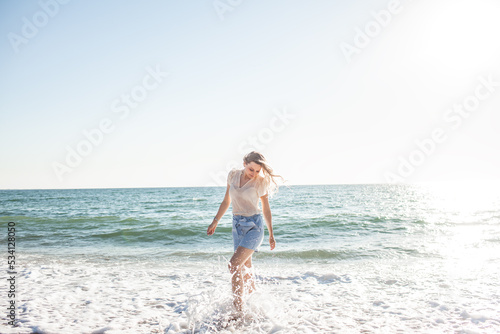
[(240, 257), (233, 267)]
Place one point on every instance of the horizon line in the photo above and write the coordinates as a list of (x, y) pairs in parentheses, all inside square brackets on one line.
[(160, 187), (282, 185)]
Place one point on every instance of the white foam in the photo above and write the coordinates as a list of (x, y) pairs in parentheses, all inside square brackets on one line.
[(159, 297)]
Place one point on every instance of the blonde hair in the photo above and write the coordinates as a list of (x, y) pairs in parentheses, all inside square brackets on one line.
[(269, 182)]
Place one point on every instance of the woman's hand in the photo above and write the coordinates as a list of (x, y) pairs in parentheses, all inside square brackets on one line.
[(272, 243), (211, 228)]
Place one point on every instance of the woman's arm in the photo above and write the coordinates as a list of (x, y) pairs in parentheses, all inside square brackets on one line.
[(266, 210), (222, 210)]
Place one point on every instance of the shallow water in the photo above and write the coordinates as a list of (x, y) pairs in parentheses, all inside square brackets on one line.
[(349, 259)]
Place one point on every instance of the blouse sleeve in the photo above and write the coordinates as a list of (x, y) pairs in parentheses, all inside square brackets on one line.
[(262, 188), (230, 176)]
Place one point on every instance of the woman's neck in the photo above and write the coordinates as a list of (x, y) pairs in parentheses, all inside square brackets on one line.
[(245, 177)]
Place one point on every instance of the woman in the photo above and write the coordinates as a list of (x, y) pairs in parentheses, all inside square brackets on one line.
[(244, 188)]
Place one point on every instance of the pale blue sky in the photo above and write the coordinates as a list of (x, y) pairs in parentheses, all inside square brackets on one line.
[(349, 121)]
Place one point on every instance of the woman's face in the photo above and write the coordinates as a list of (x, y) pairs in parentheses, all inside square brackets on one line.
[(252, 169)]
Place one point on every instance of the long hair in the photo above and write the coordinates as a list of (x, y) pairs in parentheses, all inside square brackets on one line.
[(269, 181)]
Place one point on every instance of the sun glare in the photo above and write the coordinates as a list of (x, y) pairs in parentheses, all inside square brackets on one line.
[(465, 211), (464, 199)]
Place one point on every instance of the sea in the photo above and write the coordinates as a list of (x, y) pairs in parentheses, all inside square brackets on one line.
[(375, 258)]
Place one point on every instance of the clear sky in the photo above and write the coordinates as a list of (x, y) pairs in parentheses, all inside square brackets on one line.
[(174, 93)]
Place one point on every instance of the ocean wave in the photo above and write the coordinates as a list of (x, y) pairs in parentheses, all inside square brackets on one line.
[(21, 218), (305, 254), (14, 200), (309, 254), (149, 234), (92, 234)]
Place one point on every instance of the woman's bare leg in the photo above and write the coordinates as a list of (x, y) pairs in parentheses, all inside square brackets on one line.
[(240, 256), (248, 278)]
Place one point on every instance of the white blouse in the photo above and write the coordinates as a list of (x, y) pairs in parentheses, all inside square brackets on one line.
[(245, 200)]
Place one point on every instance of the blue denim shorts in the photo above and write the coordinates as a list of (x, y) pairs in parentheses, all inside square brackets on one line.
[(248, 231)]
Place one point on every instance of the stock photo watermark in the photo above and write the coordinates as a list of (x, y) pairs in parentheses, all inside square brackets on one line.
[(223, 7), (371, 30), (258, 142), (31, 26), (120, 106), (11, 274), (453, 118)]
